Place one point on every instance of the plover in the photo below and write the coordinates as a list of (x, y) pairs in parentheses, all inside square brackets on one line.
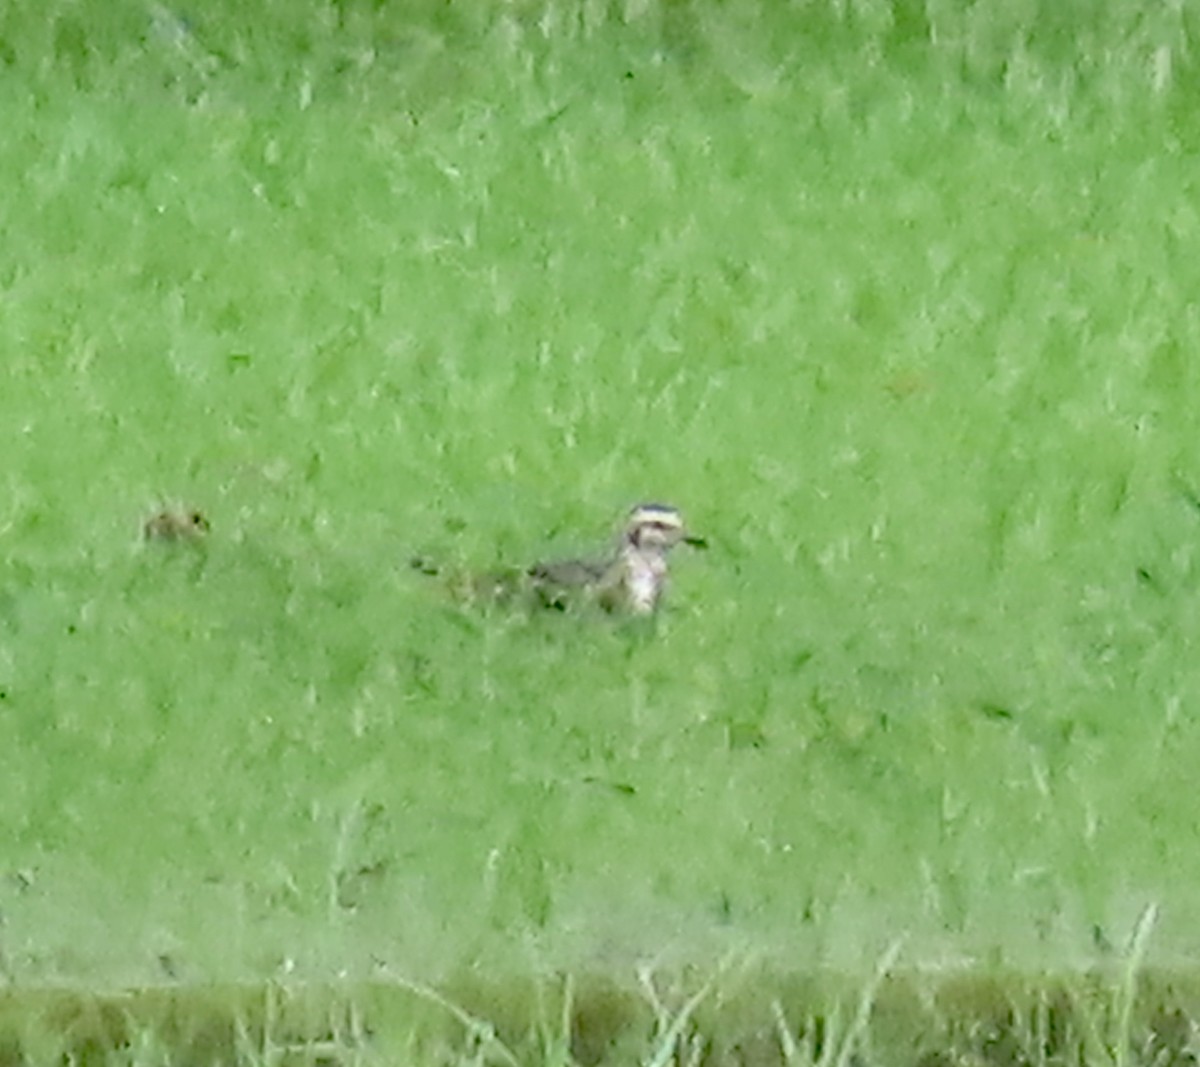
[(631, 579)]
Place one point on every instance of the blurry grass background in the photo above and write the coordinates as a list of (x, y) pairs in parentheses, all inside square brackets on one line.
[(895, 300)]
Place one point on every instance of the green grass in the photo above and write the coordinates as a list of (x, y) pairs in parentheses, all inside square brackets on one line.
[(804, 1020), (895, 302)]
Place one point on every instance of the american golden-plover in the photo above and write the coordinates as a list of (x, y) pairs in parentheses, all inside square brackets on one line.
[(631, 579)]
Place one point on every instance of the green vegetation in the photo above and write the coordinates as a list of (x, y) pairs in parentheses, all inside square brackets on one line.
[(895, 300)]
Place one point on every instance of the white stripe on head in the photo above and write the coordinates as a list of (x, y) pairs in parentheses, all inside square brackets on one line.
[(660, 514)]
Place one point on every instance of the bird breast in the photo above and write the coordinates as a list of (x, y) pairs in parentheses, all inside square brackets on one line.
[(644, 579)]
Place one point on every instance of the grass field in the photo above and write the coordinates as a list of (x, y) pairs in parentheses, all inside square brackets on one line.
[(895, 300)]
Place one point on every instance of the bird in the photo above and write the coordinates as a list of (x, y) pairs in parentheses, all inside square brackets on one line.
[(632, 579), (176, 525), (629, 580)]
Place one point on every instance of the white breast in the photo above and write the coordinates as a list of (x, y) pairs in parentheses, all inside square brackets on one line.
[(644, 583)]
